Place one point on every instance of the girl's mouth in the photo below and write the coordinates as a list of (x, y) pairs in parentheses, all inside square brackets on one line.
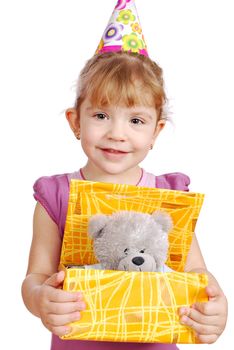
[(113, 154), (113, 151)]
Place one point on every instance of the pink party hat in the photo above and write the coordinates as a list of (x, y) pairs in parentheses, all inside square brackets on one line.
[(123, 32)]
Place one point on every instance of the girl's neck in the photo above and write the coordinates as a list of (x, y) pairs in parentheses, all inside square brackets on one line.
[(130, 177)]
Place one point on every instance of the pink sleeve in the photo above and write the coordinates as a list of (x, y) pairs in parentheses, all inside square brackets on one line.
[(52, 193), (173, 181)]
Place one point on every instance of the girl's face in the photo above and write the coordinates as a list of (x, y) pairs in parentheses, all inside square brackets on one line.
[(116, 138)]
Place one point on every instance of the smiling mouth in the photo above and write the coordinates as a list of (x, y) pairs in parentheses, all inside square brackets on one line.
[(114, 151)]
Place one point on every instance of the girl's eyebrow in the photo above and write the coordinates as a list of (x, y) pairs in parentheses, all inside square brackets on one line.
[(142, 113), (132, 112), (89, 108), (93, 108)]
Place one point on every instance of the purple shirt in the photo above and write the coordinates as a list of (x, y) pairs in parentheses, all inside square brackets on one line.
[(52, 193)]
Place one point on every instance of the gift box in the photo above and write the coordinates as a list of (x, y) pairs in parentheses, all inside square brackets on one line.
[(124, 306)]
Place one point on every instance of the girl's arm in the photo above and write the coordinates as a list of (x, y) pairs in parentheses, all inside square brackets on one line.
[(43, 257), (41, 288), (207, 319)]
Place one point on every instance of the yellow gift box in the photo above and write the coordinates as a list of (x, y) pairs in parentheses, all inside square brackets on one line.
[(127, 306)]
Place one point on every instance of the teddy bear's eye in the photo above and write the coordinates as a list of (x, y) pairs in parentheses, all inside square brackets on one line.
[(126, 251), (142, 251)]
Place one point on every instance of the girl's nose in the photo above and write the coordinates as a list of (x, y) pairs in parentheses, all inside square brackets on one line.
[(117, 131)]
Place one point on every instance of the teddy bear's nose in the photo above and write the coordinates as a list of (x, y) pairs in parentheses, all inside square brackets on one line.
[(138, 260)]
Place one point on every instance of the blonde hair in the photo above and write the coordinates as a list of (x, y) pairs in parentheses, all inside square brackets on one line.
[(122, 78)]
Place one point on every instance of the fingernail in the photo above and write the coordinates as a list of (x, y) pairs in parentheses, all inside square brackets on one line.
[(60, 274), (183, 311), (68, 330), (81, 305), (183, 319), (79, 296), (76, 316)]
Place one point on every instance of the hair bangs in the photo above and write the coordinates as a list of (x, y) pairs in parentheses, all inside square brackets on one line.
[(121, 86)]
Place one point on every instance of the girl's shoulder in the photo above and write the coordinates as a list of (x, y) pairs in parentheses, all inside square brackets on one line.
[(49, 185), (173, 181), (52, 193)]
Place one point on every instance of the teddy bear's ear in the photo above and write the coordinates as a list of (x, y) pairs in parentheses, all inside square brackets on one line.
[(96, 224), (163, 219)]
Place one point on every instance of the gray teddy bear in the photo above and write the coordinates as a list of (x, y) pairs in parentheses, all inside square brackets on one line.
[(131, 241)]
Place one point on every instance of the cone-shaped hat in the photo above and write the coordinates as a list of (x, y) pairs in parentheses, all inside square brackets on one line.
[(123, 32)]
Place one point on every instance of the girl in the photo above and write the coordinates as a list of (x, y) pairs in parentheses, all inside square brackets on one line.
[(118, 115)]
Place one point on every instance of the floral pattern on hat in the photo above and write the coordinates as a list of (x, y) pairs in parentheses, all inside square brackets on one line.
[(121, 4), (132, 43), (100, 46), (125, 16), (136, 28), (113, 32)]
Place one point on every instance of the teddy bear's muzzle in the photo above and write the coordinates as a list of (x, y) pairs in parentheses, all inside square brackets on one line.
[(139, 262)]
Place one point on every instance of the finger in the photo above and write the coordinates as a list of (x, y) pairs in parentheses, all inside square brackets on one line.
[(198, 317), (199, 328), (62, 296), (208, 309), (207, 339), (61, 320), (56, 279), (59, 331), (66, 308), (213, 292)]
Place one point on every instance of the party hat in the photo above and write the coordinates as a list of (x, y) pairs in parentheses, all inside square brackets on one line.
[(123, 32)]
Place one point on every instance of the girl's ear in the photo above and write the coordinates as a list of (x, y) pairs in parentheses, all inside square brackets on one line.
[(160, 125), (158, 129), (73, 119)]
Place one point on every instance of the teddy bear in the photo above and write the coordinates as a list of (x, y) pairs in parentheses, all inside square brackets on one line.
[(131, 241)]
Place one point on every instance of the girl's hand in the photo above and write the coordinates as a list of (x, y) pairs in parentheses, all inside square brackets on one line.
[(57, 307), (208, 320)]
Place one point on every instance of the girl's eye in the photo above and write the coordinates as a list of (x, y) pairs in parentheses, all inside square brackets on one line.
[(126, 251), (137, 121), (142, 251), (100, 116)]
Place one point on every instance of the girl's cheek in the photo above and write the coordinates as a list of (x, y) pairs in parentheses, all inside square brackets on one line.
[(91, 136)]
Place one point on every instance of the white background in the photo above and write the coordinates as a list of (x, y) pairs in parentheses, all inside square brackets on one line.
[(44, 44)]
